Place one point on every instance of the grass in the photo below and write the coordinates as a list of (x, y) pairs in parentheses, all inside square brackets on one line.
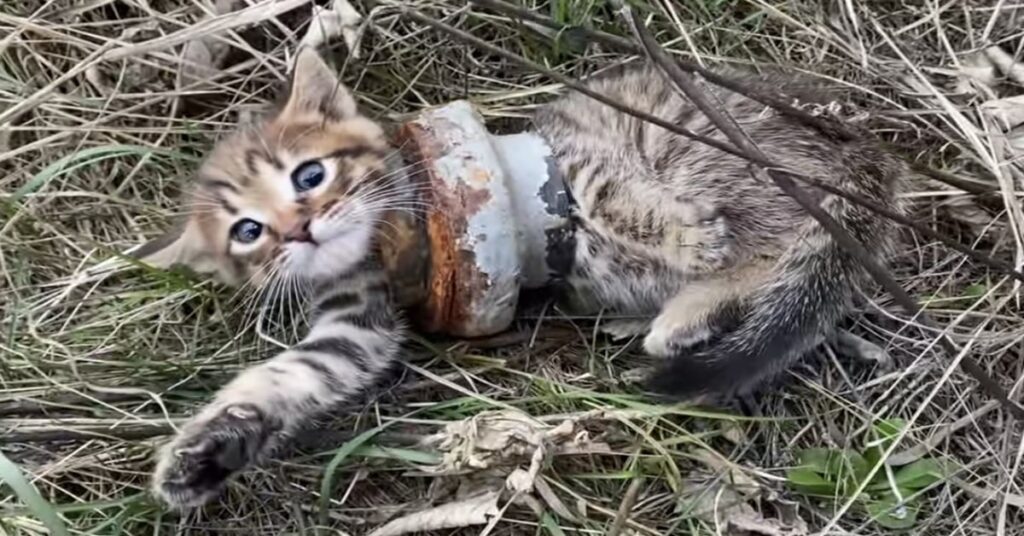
[(96, 369)]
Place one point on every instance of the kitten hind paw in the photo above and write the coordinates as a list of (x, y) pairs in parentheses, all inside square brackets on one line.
[(668, 340), (197, 464), (664, 343)]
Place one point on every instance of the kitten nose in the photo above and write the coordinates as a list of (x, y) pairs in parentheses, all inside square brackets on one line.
[(299, 232)]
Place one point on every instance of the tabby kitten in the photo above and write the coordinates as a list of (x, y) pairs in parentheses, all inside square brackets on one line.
[(738, 279)]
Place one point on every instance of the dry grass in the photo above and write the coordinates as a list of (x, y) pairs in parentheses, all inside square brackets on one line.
[(97, 140)]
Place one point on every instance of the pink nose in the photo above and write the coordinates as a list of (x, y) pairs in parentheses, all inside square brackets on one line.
[(299, 233)]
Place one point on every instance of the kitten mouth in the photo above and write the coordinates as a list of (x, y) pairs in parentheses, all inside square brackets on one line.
[(309, 241), (323, 241)]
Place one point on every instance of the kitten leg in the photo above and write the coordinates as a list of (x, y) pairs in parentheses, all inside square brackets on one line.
[(354, 338), (698, 311)]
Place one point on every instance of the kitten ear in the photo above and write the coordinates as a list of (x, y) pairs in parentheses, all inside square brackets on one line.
[(316, 88), (182, 245)]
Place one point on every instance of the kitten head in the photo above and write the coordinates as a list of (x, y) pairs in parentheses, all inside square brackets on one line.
[(297, 194)]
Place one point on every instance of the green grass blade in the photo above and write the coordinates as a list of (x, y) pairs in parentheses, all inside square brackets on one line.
[(340, 456), (74, 161), (27, 493)]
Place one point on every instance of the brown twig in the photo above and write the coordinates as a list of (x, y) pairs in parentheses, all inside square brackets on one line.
[(827, 126), (612, 41), (987, 260), (124, 432), (731, 129), (32, 406), (969, 186)]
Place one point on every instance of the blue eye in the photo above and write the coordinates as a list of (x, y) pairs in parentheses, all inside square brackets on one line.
[(308, 176), (246, 231)]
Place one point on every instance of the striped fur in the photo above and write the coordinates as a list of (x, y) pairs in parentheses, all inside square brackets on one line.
[(320, 238), (354, 337), (738, 279)]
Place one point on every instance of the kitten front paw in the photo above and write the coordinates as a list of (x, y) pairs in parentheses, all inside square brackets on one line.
[(665, 340), (197, 464)]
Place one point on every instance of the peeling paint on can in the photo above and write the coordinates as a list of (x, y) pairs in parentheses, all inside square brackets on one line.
[(489, 219)]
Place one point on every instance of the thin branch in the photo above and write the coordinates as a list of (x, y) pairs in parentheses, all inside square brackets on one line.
[(124, 432), (566, 81), (999, 266), (967, 185), (783, 180), (825, 125), (987, 260), (731, 129)]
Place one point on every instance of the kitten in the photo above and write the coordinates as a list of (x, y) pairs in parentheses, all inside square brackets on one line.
[(739, 280)]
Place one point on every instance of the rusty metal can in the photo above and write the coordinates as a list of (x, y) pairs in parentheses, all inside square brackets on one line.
[(497, 222)]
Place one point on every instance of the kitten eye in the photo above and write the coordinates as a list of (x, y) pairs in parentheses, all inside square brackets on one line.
[(246, 231), (308, 176)]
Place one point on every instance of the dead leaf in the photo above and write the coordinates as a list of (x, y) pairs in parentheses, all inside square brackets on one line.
[(497, 454), (859, 348), (1009, 112), (196, 66), (94, 76), (733, 431), (734, 473), (976, 72), (718, 503), (327, 23), (1006, 64), (494, 438), (202, 58), (726, 502), (464, 513), (748, 520)]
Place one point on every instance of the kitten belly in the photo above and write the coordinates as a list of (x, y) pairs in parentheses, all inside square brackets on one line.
[(611, 276)]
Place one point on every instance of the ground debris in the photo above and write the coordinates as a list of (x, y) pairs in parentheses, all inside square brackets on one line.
[(495, 459), (724, 497)]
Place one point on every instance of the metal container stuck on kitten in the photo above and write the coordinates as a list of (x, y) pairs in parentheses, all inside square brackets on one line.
[(496, 222), (452, 223)]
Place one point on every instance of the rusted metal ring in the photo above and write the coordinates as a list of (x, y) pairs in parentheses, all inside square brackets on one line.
[(496, 213)]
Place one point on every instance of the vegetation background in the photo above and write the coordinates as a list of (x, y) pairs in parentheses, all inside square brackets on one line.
[(102, 124)]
